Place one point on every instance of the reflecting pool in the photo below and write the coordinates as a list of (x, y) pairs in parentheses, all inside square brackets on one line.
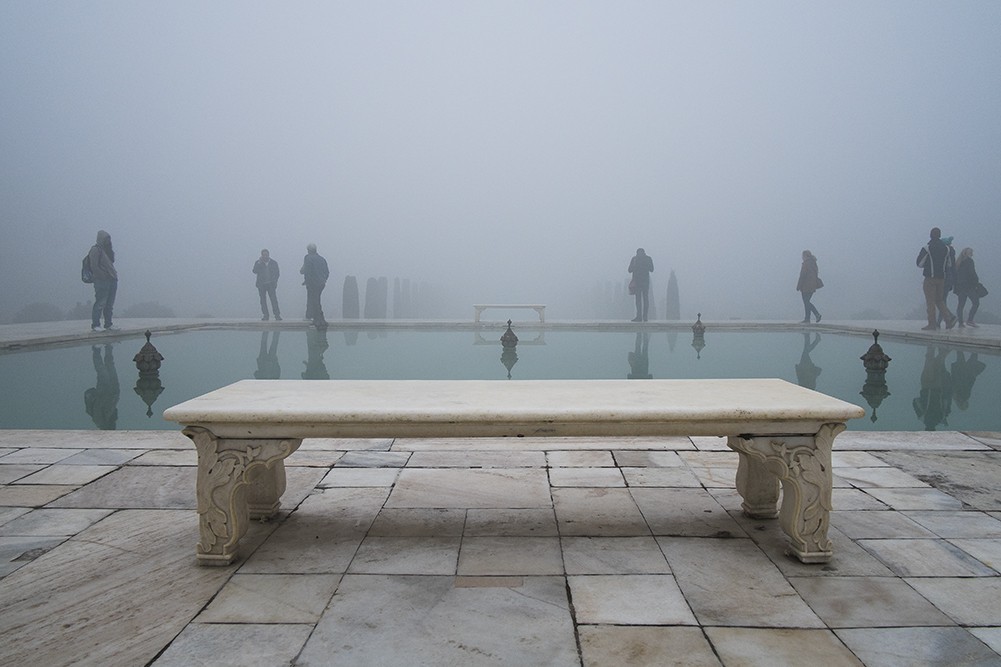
[(927, 387)]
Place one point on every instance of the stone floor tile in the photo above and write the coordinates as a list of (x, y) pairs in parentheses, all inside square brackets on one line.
[(538, 522), (100, 456), (663, 477), (492, 444), (855, 460), (38, 455), (715, 477), (731, 582), (586, 477), (346, 444), (629, 599), (406, 555), (590, 459), (70, 475), (228, 645), (477, 459), (711, 459), (968, 601), (137, 487), (428, 620), (977, 525), (685, 512), (493, 487), (598, 512), (906, 440), (877, 525), (989, 636), (19, 550), (32, 495), (710, 443), (167, 457), (855, 499), (640, 459), (419, 522), (8, 514), (867, 602), (929, 647), (313, 458), (987, 552), (271, 598), (779, 646), (359, 477), (915, 499), (368, 459), (967, 476), (642, 646), (926, 558), (613, 555), (510, 556), (53, 522), (883, 477), (14, 472), (4, 451)]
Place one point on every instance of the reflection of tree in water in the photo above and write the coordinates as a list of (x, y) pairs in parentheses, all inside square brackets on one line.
[(806, 370), (101, 402), (639, 358), (316, 345), (934, 401), (268, 367), (964, 373)]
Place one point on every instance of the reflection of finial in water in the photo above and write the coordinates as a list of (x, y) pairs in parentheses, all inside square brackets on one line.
[(509, 357)]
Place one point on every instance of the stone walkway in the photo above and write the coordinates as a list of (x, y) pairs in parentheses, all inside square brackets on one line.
[(498, 552)]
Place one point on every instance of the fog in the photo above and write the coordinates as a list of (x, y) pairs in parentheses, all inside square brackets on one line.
[(513, 152)]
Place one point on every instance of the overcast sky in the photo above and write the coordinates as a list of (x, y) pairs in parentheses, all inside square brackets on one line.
[(504, 151)]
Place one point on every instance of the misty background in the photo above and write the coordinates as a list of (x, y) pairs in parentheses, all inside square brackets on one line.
[(513, 152)]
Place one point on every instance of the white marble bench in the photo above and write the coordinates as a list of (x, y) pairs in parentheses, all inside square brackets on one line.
[(244, 431), (539, 308)]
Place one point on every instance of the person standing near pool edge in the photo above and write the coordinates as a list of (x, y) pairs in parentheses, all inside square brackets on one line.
[(933, 260), (808, 283), (267, 281), (102, 264), (641, 266), (314, 276)]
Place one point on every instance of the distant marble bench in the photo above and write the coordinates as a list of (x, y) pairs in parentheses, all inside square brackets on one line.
[(244, 431), (537, 307)]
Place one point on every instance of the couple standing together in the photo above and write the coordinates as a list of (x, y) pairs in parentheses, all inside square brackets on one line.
[(314, 276)]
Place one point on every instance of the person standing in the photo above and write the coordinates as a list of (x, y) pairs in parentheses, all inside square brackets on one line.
[(314, 276), (641, 266), (809, 282), (967, 286), (267, 282), (102, 265), (934, 260)]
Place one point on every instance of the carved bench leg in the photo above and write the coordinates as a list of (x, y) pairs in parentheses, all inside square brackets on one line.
[(758, 487), (803, 464), (237, 480)]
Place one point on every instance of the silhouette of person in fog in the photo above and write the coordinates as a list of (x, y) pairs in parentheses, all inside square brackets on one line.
[(314, 276), (964, 373), (101, 402), (806, 370), (808, 283), (267, 273), (102, 265), (934, 401), (639, 358), (268, 367), (316, 345), (641, 266)]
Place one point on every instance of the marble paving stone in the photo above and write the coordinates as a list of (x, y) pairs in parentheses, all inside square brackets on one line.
[(359, 477), (929, 647), (167, 457), (597, 512), (583, 477), (868, 602), (855, 460), (112, 457), (989, 636), (593, 459), (419, 522), (978, 525), (116, 594), (53, 522), (313, 458), (477, 459), (4, 451), (94, 439), (17, 551), (8, 514), (664, 477), (970, 477), (640, 459), (909, 440), (855, 499), (642, 646), (346, 444), (877, 525), (968, 601), (685, 512), (715, 478), (366, 459), (376, 620), (226, 645), (480, 488), (884, 477), (510, 556), (709, 443), (613, 555), (32, 495), (712, 459), (539, 522), (629, 599), (74, 475), (406, 555), (271, 598), (38, 455), (11, 473), (730, 582), (779, 646), (476, 444), (915, 499), (987, 552), (137, 487), (993, 439), (926, 558)]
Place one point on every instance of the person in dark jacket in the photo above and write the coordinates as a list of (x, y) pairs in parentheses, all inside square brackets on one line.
[(967, 286), (641, 266), (267, 282), (809, 282), (102, 265), (934, 260), (314, 276)]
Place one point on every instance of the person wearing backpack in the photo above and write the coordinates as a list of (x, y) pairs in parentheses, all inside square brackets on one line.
[(102, 266)]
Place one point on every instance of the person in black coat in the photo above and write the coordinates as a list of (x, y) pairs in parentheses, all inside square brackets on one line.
[(967, 286)]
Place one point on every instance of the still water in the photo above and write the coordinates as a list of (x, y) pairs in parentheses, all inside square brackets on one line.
[(98, 387)]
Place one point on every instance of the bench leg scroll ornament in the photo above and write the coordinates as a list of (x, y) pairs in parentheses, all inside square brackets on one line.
[(238, 480), (803, 464)]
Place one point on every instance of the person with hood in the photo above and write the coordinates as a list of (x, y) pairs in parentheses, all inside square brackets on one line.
[(641, 266), (102, 265), (934, 260), (314, 276), (267, 281), (809, 282)]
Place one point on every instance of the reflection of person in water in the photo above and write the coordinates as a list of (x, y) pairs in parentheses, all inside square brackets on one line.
[(316, 345), (964, 374), (806, 370), (101, 402), (639, 358), (934, 401), (268, 367)]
